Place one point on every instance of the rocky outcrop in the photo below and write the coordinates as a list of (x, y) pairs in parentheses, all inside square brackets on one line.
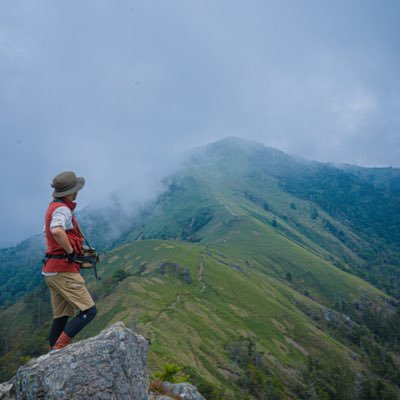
[(173, 391), (7, 391), (111, 365), (182, 272), (183, 390)]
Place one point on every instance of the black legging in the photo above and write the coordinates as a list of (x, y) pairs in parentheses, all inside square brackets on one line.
[(74, 326), (57, 328)]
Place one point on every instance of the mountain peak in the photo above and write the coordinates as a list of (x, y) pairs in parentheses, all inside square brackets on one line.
[(239, 155), (239, 143)]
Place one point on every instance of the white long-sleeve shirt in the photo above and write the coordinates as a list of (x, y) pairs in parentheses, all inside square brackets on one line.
[(62, 216)]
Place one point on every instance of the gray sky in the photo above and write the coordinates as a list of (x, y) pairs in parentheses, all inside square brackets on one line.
[(115, 89)]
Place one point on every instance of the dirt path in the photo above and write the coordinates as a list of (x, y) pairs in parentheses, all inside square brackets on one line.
[(201, 273), (227, 207), (147, 326)]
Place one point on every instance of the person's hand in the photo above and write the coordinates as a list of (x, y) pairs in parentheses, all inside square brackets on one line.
[(71, 257)]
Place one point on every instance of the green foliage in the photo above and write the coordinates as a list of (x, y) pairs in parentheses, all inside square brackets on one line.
[(32, 345), (191, 226), (207, 389), (332, 229), (256, 199), (25, 359), (119, 275), (171, 373), (375, 389), (8, 366), (383, 328), (174, 373), (326, 382), (37, 304), (356, 329), (371, 212), (183, 273), (254, 376), (314, 213), (20, 269)]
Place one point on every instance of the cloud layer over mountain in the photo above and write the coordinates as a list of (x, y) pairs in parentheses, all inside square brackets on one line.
[(115, 90)]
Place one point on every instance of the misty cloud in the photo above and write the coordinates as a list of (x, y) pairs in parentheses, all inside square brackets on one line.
[(116, 90)]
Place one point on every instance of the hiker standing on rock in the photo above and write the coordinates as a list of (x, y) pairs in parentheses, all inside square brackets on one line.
[(61, 269)]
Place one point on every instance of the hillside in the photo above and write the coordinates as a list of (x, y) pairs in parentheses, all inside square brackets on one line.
[(244, 274)]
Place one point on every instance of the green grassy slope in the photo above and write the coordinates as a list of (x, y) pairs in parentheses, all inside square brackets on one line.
[(191, 323), (237, 288)]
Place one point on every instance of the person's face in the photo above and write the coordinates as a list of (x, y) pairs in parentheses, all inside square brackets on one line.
[(72, 197)]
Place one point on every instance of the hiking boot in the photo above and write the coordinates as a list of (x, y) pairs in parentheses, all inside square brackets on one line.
[(51, 349), (62, 341)]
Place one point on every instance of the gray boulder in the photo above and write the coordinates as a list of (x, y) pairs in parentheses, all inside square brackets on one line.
[(7, 391), (183, 390), (109, 366)]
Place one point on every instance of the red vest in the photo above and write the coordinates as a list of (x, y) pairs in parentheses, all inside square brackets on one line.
[(75, 237)]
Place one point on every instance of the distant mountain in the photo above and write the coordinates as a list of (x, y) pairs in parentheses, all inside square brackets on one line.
[(387, 178), (261, 275), (365, 201), (19, 267)]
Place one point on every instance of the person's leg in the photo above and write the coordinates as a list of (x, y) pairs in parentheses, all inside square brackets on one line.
[(62, 310), (72, 288), (75, 326), (80, 321), (57, 328)]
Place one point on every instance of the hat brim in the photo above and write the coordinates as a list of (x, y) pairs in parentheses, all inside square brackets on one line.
[(80, 183)]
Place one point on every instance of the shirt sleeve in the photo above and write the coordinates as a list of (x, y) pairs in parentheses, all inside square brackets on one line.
[(62, 216)]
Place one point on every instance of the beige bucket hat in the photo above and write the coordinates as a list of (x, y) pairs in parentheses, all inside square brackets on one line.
[(67, 183)]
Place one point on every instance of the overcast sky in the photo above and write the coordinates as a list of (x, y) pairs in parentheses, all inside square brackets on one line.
[(115, 89)]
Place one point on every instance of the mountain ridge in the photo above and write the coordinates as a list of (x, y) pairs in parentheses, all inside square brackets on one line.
[(228, 258)]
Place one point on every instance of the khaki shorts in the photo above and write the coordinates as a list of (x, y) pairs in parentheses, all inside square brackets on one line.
[(68, 293)]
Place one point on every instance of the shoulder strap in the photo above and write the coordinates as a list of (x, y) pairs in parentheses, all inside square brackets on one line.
[(84, 238)]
